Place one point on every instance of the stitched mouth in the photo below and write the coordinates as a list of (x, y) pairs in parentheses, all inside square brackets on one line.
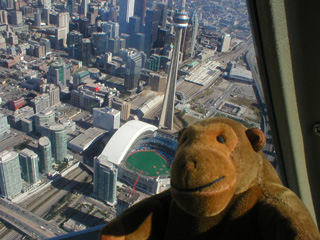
[(199, 188)]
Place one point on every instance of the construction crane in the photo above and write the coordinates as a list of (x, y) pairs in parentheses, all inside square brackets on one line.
[(135, 184)]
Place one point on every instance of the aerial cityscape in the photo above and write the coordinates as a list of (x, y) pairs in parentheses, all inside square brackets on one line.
[(93, 94)]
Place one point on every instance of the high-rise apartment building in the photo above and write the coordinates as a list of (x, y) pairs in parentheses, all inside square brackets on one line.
[(105, 180), (53, 91), (106, 118), (29, 162), (57, 135), (41, 118), (45, 155), (10, 174), (40, 103)]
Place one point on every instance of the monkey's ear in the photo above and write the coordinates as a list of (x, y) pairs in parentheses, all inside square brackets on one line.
[(257, 138), (180, 133)]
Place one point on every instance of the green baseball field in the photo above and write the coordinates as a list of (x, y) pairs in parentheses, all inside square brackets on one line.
[(149, 162)]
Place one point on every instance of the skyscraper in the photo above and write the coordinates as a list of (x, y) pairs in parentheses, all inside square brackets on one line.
[(151, 29), (133, 70), (10, 174), (29, 161), (57, 134), (72, 6), (105, 180), (180, 20), (74, 42), (195, 28), (134, 25), (84, 7), (140, 10), (86, 51), (45, 154), (59, 73), (226, 42), (100, 42), (126, 11)]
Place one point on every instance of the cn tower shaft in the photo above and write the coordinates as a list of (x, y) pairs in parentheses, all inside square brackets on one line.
[(167, 112), (180, 20)]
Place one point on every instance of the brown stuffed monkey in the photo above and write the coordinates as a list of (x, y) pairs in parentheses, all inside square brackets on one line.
[(222, 187)]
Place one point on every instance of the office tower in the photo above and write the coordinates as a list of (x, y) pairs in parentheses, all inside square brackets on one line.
[(127, 38), (137, 41), (10, 174), (100, 42), (162, 7), (84, 26), (106, 118), (105, 180), (74, 41), (186, 43), (134, 25), (113, 45), (59, 73), (4, 126), (158, 82), (57, 135), (111, 28), (151, 29), (45, 155), (180, 20), (195, 29), (46, 16), (170, 4), (46, 43), (40, 103), (84, 7), (153, 63), (79, 77), (140, 10), (86, 51), (46, 4), (133, 70), (40, 119), (60, 38), (37, 19), (29, 162), (126, 11), (113, 15), (72, 6), (226, 42), (16, 17)]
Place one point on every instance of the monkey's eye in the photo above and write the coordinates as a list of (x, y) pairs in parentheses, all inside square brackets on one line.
[(221, 139), (184, 139)]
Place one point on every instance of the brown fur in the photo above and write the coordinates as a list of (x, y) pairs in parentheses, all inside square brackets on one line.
[(243, 197)]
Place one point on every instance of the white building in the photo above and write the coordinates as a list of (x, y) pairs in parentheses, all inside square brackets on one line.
[(106, 118)]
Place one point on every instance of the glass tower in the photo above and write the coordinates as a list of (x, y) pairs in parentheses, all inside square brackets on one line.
[(29, 162), (10, 175), (58, 138), (105, 180), (45, 154)]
